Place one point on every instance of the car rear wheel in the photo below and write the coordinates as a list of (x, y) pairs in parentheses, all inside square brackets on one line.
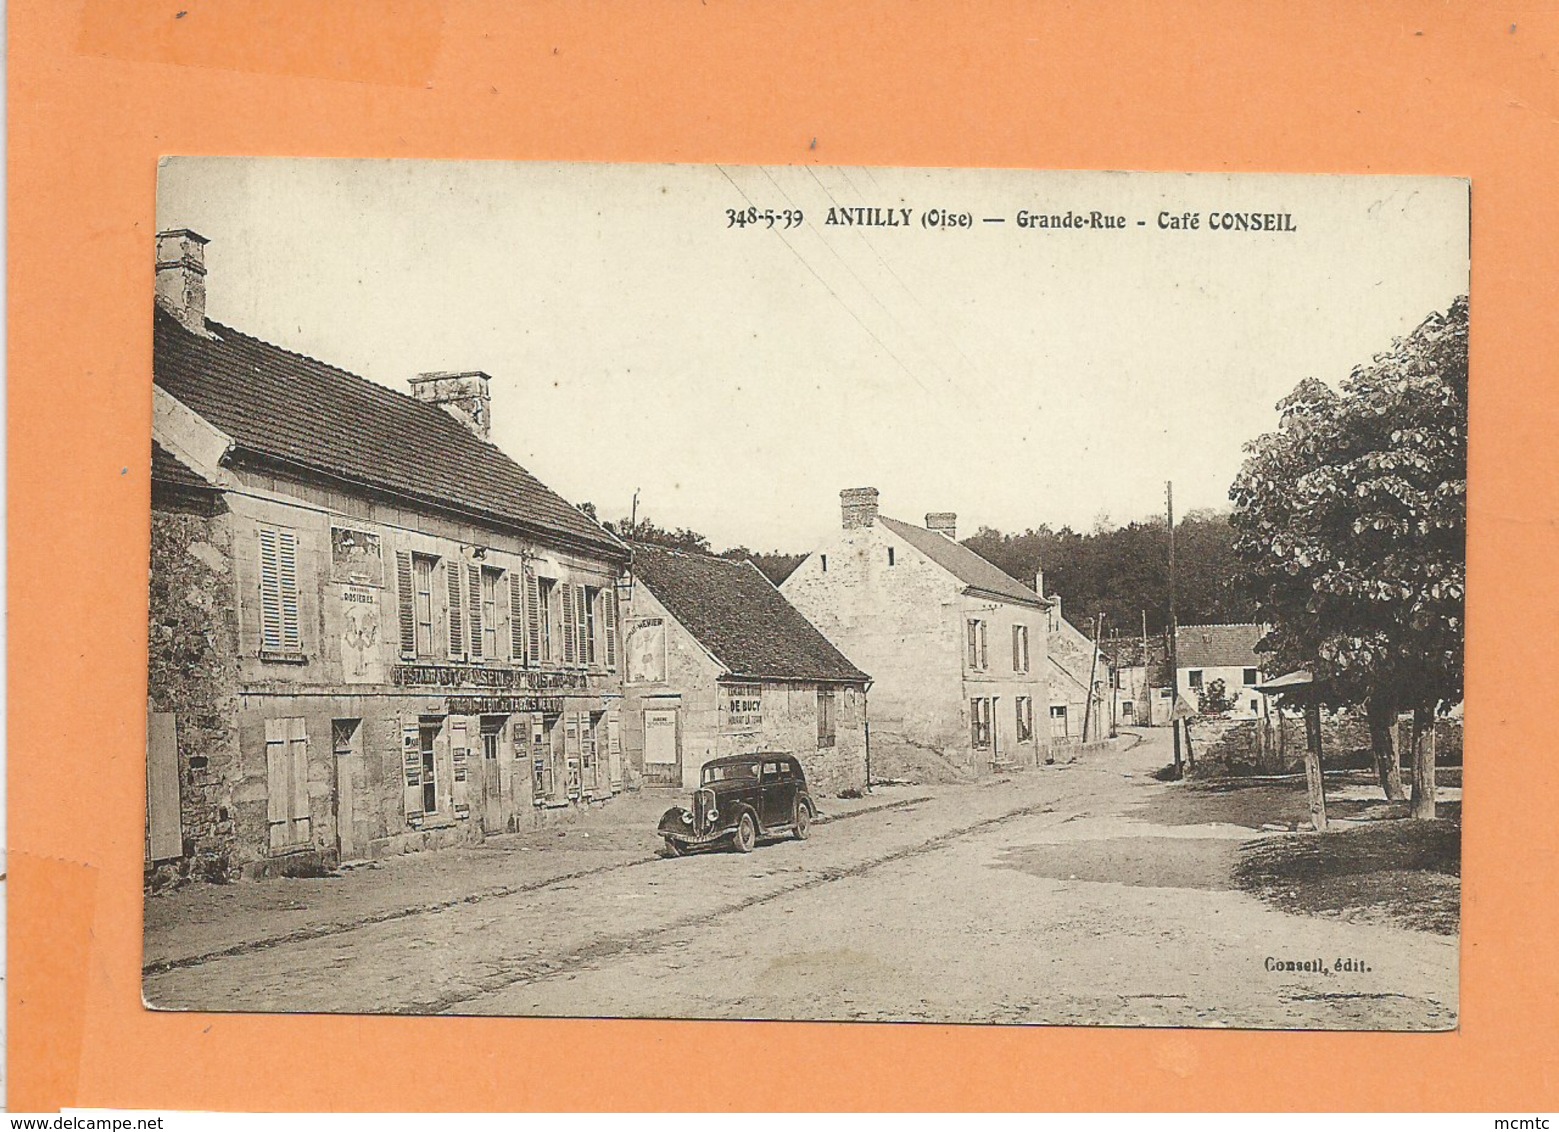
[(803, 821), (746, 835), (675, 847)]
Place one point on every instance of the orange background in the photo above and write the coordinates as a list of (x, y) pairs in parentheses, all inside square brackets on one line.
[(100, 88)]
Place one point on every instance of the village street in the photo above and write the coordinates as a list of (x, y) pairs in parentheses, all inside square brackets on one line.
[(1081, 893)]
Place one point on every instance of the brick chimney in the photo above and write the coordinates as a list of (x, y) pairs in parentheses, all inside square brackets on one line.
[(858, 507), (1039, 582), (943, 523), (181, 278), (463, 396)]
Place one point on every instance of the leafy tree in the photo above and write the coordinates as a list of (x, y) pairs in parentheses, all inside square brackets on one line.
[(1215, 698), (1351, 525)]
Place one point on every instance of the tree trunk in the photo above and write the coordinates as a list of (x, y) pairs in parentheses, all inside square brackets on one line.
[(1382, 712), (1314, 782), (1423, 763)]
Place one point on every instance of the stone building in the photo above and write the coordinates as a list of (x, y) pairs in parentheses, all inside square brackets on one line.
[(718, 663), (1076, 677), (370, 630), (956, 648)]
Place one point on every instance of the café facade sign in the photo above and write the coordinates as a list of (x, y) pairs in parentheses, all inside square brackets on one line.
[(496, 679), (505, 705)]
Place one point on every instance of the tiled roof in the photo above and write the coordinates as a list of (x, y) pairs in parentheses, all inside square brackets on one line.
[(963, 563), (289, 408), (738, 615), (170, 470), (1218, 646)]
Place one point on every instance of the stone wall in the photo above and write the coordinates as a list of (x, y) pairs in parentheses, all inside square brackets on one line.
[(192, 672)]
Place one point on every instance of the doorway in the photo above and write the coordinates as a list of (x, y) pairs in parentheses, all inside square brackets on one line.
[(346, 741), (492, 785)]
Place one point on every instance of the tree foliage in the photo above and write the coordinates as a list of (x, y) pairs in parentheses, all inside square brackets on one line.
[(1350, 523), (1125, 571)]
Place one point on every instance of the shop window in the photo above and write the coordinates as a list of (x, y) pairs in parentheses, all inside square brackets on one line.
[(280, 625), (826, 722), (428, 736)]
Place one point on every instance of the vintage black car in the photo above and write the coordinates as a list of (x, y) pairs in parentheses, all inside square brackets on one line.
[(741, 798)]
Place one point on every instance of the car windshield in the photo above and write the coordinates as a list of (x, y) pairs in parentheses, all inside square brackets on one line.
[(728, 771)]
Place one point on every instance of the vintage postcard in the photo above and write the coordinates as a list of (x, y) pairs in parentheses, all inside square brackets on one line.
[(725, 592)]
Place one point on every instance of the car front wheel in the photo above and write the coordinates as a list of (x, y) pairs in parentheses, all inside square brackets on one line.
[(746, 835), (803, 821)]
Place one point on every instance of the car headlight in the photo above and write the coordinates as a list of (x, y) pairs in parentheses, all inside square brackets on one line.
[(687, 817), (714, 815)]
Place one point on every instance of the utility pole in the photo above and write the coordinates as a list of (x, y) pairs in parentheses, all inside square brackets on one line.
[(1147, 680), (1093, 668), (1174, 630)]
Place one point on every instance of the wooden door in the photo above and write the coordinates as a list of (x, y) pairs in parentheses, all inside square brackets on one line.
[(492, 785)]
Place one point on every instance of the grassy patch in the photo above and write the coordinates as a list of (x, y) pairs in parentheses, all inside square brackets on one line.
[(1402, 871)]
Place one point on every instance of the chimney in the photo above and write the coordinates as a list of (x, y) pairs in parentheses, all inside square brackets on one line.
[(858, 507), (181, 278), (1039, 582), (463, 396), (943, 523)]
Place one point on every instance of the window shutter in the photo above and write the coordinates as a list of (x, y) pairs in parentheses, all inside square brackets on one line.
[(404, 595), (570, 629), (516, 616), (582, 625), (974, 723), (974, 644), (460, 758), (278, 798), (270, 591), (1017, 648), (985, 654), (287, 561), (411, 763), (474, 597), (441, 763), (609, 615), (457, 638), (298, 749), (533, 616)]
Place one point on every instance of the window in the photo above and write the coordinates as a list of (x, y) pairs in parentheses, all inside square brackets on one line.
[(1196, 677), (591, 597), (1127, 710), (279, 623), (1250, 677), (544, 603), (824, 557), (287, 782), (980, 724), (1020, 648), (1025, 714), (890, 556), (978, 655), (490, 579), (825, 717), (422, 600)]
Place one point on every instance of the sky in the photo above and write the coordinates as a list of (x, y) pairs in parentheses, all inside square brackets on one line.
[(738, 377)]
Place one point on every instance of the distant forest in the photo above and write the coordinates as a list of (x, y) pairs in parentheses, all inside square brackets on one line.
[(1121, 573)]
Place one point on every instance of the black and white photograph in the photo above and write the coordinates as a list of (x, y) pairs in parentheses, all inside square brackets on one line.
[(806, 593)]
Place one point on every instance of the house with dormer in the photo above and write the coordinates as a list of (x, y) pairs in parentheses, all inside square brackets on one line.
[(371, 631), (956, 648)]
